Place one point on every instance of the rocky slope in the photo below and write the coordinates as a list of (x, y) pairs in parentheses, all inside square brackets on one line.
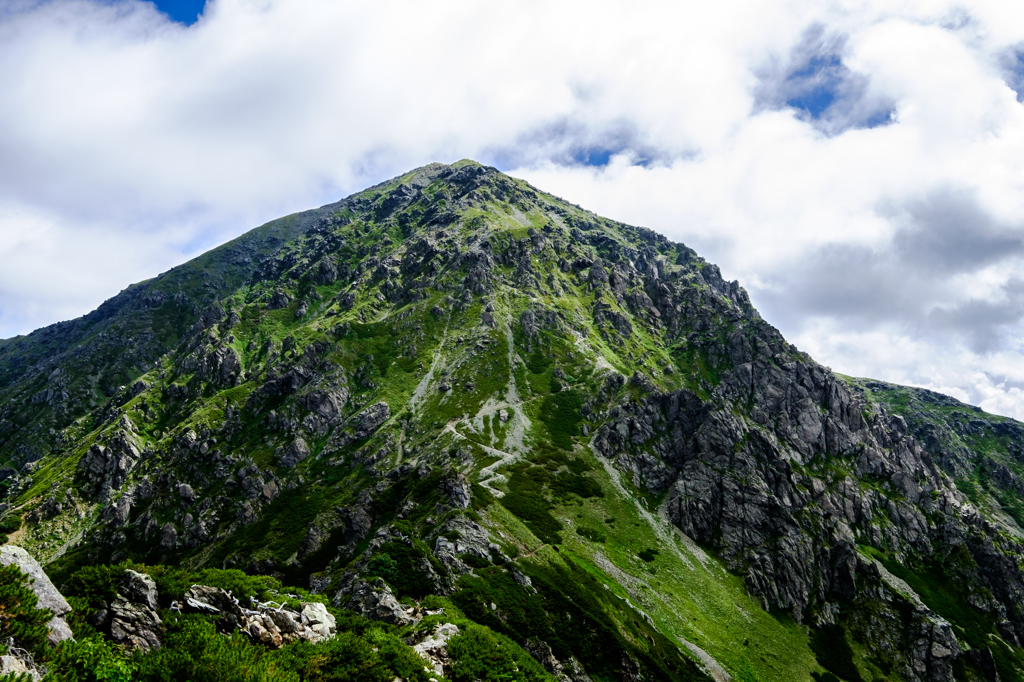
[(454, 384)]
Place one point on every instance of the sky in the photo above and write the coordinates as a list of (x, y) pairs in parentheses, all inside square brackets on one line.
[(856, 165)]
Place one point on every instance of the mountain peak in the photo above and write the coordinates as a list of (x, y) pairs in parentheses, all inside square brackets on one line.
[(463, 387)]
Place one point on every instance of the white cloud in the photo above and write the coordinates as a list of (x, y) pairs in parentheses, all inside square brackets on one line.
[(128, 143)]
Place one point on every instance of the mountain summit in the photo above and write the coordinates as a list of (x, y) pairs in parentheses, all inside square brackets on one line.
[(453, 388)]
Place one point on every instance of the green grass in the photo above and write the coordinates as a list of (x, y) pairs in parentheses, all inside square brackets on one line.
[(560, 412), (686, 598), (527, 500)]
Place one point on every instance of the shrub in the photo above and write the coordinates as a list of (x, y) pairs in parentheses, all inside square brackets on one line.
[(560, 412), (91, 659), (19, 617), (382, 566), (648, 554), (10, 523), (526, 500), (825, 677), (478, 653), (375, 657), (538, 362), (93, 584), (409, 578), (567, 483), (194, 651), (591, 534)]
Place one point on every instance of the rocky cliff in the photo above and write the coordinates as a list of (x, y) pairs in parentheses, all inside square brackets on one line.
[(453, 385)]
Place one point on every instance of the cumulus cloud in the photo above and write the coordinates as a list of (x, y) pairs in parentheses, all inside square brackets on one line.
[(853, 164), (822, 90)]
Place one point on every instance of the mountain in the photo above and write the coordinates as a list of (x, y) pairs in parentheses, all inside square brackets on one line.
[(455, 389)]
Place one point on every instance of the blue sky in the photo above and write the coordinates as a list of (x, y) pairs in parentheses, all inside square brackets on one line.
[(854, 164), (182, 11)]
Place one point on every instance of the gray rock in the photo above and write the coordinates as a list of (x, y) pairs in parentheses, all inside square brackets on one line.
[(186, 493), (317, 618), (471, 539), (327, 404), (542, 653), (457, 490), (374, 600), (49, 597), (295, 453), (105, 468), (135, 623), (168, 536), (12, 665), (279, 300), (434, 648), (370, 419), (268, 624)]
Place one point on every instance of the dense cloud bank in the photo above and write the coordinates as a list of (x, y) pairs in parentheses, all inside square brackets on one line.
[(855, 165)]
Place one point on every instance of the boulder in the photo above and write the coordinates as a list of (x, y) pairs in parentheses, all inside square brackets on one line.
[(49, 597), (135, 623), (374, 600), (268, 623), (457, 490), (317, 618), (434, 649), (104, 468), (370, 419), (294, 453), (13, 665)]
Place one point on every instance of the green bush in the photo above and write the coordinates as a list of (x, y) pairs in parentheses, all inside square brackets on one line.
[(591, 534), (560, 412), (567, 483), (93, 583), (19, 617), (538, 362), (576, 616), (825, 677), (409, 579), (648, 554), (478, 653), (382, 566), (377, 656), (91, 659), (10, 523), (481, 497), (194, 651), (474, 560), (525, 499)]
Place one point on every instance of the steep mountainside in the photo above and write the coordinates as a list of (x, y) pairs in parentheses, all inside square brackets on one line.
[(572, 429)]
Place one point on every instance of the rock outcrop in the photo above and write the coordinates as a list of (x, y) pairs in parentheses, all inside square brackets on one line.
[(134, 622), (49, 597), (271, 624), (376, 601), (434, 648), (105, 468)]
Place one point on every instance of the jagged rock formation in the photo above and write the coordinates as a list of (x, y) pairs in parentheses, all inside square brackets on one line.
[(427, 387), (134, 622), (271, 624)]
